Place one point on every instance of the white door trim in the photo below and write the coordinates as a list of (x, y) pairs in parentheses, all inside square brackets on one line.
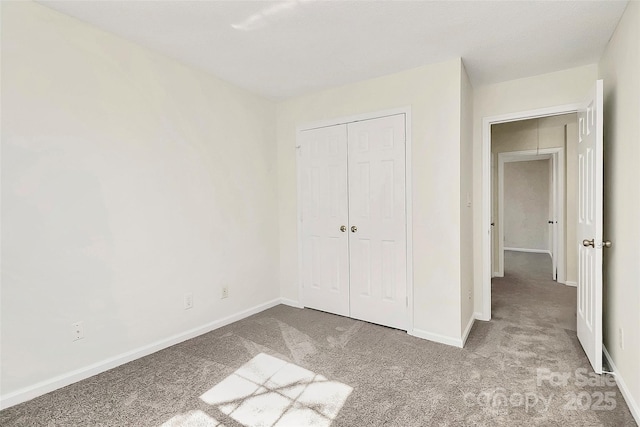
[(556, 155), (408, 195), (486, 188)]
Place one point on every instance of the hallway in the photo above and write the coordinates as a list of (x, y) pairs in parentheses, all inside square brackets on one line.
[(532, 337), (527, 293)]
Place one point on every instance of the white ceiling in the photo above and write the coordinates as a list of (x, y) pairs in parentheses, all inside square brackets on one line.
[(281, 49)]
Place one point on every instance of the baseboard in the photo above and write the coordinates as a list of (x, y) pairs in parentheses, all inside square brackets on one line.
[(497, 274), (442, 339), (480, 316), (465, 335), (535, 251), (291, 303), (634, 406), (569, 283), (47, 386)]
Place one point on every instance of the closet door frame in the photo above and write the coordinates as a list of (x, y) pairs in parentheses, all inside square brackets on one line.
[(408, 193)]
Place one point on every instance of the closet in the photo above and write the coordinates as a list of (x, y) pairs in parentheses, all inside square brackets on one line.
[(353, 220)]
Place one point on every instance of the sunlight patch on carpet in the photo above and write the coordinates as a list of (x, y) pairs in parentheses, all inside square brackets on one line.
[(267, 391)]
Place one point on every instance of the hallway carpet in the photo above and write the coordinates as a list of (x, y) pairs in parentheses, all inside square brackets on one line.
[(301, 367)]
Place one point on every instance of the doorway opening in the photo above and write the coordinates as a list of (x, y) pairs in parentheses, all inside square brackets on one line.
[(530, 215), (588, 241), (540, 135), (531, 178), (531, 205)]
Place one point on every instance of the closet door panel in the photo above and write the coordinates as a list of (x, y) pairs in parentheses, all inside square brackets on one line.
[(325, 254), (377, 215)]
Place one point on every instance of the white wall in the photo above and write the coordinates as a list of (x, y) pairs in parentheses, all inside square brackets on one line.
[(547, 90), (433, 92), (620, 69), (466, 203), (127, 181), (526, 204)]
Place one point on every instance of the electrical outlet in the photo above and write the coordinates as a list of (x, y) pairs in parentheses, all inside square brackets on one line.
[(77, 330), (621, 338), (188, 301), (225, 292)]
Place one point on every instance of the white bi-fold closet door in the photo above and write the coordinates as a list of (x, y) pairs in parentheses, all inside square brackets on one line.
[(354, 254)]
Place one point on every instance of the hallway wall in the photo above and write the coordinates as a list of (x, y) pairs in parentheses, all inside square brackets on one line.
[(526, 205)]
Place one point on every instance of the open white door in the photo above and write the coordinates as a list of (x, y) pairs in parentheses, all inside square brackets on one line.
[(325, 240), (589, 230)]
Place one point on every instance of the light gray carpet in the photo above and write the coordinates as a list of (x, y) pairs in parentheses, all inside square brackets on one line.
[(287, 366)]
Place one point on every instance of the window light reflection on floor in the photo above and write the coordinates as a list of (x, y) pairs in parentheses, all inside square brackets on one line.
[(267, 391)]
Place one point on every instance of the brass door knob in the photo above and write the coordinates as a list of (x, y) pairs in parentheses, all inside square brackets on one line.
[(343, 228), (587, 243), (606, 244), (354, 228)]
